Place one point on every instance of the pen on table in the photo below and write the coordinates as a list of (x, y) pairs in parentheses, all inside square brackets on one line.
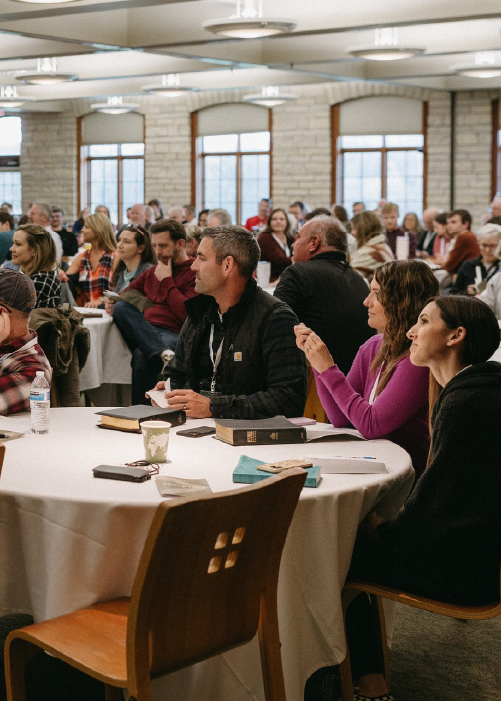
[(356, 457)]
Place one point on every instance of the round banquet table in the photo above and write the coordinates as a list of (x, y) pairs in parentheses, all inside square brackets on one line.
[(69, 540)]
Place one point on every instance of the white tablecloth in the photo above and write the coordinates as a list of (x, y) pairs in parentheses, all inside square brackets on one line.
[(68, 540), (107, 374)]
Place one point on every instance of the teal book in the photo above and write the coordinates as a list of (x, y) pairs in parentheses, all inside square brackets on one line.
[(246, 471)]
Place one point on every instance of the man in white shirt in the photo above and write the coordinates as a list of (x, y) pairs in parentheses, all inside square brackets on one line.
[(40, 213)]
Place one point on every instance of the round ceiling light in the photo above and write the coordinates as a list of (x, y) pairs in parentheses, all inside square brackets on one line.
[(9, 99), (486, 66), (46, 2), (169, 87), (46, 74), (384, 53), (46, 79), (270, 96), (251, 28), (385, 47), (115, 105)]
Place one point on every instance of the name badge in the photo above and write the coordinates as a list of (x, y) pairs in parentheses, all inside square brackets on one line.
[(237, 357)]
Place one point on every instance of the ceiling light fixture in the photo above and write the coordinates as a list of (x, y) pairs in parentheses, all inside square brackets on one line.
[(386, 47), (169, 87), (9, 97), (46, 2), (115, 105), (270, 96), (249, 23), (46, 74), (485, 66)]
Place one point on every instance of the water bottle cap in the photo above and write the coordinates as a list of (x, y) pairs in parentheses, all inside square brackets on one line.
[(40, 373)]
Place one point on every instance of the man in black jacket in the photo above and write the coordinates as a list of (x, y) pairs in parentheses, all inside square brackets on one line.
[(237, 356), (325, 292)]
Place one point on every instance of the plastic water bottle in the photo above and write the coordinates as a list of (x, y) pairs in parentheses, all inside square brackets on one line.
[(39, 404)]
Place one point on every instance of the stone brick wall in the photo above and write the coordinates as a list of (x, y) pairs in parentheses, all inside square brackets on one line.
[(301, 162), (473, 153), (168, 152), (49, 161)]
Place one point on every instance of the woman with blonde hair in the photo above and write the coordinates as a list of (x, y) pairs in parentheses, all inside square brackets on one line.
[(34, 251), (95, 266), (372, 251), (383, 395)]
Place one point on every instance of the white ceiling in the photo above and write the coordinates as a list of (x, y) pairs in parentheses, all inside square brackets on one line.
[(117, 47)]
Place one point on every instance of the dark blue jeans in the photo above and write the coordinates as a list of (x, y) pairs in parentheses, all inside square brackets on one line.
[(146, 343)]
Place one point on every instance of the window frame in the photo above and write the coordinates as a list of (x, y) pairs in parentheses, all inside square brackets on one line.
[(84, 180), (495, 149), (197, 165), (337, 155)]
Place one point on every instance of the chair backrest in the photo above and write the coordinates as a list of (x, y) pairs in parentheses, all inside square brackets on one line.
[(204, 569)]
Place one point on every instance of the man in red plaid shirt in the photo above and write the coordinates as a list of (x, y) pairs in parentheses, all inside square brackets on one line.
[(20, 354)]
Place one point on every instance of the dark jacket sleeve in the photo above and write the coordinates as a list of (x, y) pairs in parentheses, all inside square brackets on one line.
[(285, 369)]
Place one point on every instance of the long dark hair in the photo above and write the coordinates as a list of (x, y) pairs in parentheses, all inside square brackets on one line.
[(482, 331), (406, 286), (142, 238)]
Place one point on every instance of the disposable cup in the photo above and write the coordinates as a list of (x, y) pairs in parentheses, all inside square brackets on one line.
[(156, 440)]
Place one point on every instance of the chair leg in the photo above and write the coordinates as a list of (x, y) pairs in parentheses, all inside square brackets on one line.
[(379, 619), (345, 677), (18, 653), (269, 645)]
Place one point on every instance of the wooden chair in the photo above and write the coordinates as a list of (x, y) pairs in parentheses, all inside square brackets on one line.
[(313, 408), (2, 456), (380, 592), (206, 582)]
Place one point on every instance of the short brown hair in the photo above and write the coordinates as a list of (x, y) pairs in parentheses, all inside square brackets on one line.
[(389, 208), (171, 227)]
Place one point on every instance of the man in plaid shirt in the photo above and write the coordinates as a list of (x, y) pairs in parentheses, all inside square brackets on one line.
[(20, 354)]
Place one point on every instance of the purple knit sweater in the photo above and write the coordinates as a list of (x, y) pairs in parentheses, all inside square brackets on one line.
[(399, 413)]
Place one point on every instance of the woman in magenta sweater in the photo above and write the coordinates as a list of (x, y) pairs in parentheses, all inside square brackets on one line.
[(383, 395)]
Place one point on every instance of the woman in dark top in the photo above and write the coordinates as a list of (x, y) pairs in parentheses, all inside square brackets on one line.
[(34, 251), (275, 243), (446, 542), (474, 274)]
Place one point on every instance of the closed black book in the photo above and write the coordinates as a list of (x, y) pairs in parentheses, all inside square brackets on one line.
[(130, 418), (260, 432)]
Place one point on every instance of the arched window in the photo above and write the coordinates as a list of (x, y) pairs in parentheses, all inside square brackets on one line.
[(380, 152), (111, 162), (10, 151), (232, 158)]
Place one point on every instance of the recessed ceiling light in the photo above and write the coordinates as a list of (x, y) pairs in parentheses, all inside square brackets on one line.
[(169, 87), (385, 47), (115, 105), (249, 23), (486, 66), (46, 74), (270, 96)]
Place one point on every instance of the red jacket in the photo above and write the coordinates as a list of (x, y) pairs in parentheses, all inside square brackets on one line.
[(465, 248), (168, 296)]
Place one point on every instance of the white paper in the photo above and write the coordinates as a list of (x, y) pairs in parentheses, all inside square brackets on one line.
[(158, 395), (316, 434), (362, 465)]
